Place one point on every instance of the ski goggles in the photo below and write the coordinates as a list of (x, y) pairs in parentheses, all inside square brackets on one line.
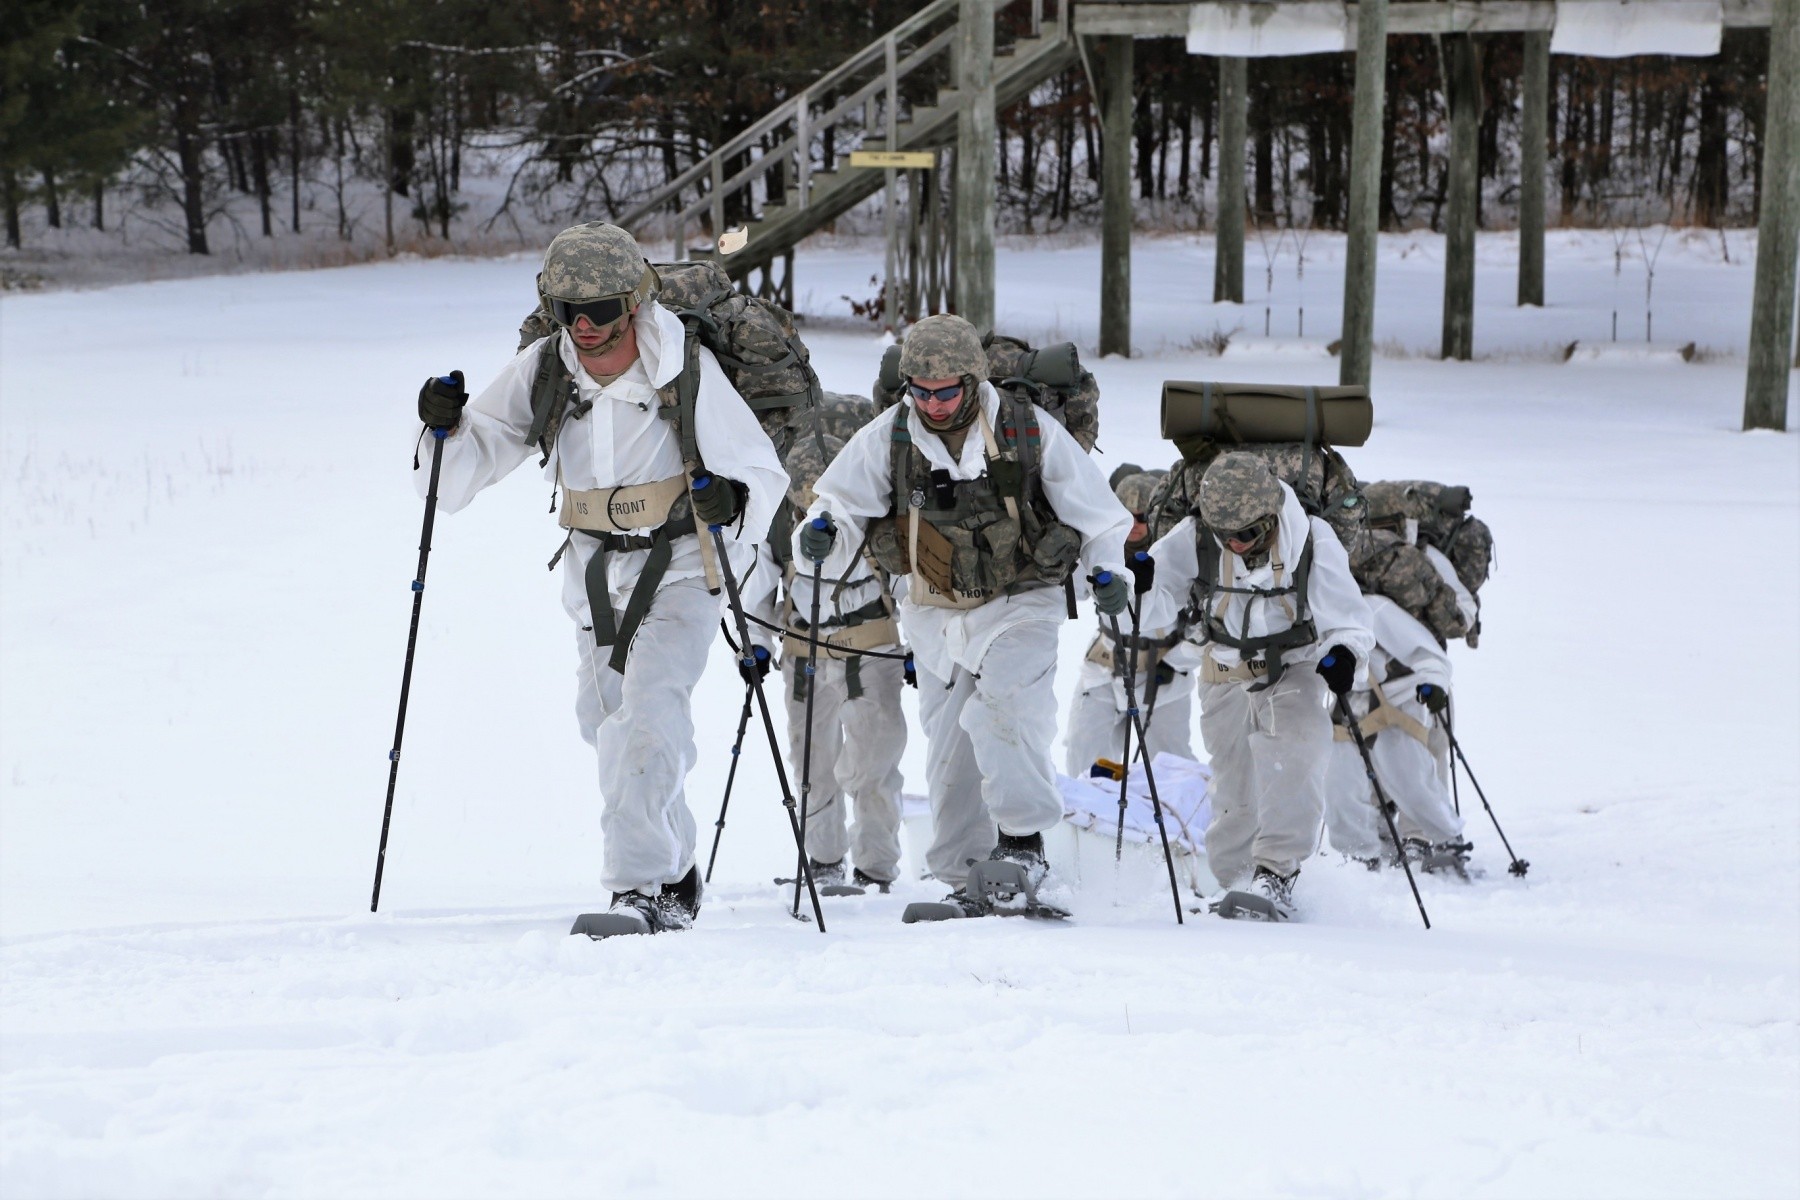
[(942, 395), (601, 312), (1249, 535)]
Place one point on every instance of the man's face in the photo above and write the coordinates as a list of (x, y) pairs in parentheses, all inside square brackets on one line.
[(594, 341), (933, 407)]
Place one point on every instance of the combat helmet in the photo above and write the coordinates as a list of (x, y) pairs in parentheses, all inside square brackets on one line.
[(592, 262), (946, 346), (1238, 493)]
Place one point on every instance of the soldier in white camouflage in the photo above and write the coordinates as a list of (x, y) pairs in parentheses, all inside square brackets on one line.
[(858, 725), (1095, 728), (1268, 593), (939, 485), (634, 576)]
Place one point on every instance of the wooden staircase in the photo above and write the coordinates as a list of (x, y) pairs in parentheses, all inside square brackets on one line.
[(800, 150)]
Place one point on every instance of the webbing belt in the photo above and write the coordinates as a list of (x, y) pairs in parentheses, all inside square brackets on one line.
[(618, 632), (843, 642), (1248, 670), (619, 509), (1383, 714)]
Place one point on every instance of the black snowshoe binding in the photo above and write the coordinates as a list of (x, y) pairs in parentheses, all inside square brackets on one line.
[(1005, 885), (1448, 858), (674, 908), (1270, 897), (828, 879), (865, 881)]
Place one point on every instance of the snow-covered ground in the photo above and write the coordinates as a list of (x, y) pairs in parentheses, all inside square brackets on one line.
[(206, 534)]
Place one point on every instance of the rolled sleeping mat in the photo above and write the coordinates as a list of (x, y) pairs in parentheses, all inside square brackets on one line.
[(1266, 412)]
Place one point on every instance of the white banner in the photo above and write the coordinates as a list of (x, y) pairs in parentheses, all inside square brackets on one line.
[(1621, 28), (1250, 29)]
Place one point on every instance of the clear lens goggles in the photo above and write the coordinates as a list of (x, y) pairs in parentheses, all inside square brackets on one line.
[(601, 312), (943, 394)]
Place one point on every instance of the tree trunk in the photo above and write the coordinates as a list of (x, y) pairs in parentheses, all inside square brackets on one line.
[(189, 154), (1264, 131), (1712, 179), (259, 169), (1571, 147), (9, 194), (100, 204), (52, 199), (294, 152)]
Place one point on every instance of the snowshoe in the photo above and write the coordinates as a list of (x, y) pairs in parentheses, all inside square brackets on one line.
[(1270, 897), (673, 908), (631, 913), (993, 885), (1448, 858), (829, 879)]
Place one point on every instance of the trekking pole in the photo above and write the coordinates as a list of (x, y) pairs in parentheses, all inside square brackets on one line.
[(1382, 803), (762, 704), (812, 686), (1124, 759), (412, 640), (1518, 866), (1101, 579), (737, 748)]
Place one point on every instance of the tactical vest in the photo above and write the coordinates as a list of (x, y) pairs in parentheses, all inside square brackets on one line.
[(1209, 596), (975, 539)]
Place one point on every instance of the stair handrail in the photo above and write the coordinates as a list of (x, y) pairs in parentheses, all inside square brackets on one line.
[(789, 108)]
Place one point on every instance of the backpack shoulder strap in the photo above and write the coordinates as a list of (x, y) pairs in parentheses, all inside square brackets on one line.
[(549, 395), (681, 395)]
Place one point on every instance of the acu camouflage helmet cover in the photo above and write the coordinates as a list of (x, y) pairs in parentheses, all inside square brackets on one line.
[(596, 260), (1237, 491), (943, 347)]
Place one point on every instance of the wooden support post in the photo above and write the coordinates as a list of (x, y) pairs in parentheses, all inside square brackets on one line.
[(1534, 129), (976, 184), (1459, 222), (890, 289), (1356, 352), (718, 202), (1768, 380), (1228, 258), (1115, 195)]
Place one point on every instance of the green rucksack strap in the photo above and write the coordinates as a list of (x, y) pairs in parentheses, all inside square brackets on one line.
[(687, 391), (551, 389), (1306, 451)]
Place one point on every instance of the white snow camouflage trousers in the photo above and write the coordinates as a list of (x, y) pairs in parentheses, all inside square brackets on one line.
[(987, 760), (641, 727), (856, 751), (1269, 751), (1097, 724), (1415, 776)]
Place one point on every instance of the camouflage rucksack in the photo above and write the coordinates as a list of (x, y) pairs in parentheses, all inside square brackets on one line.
[(1052, 378), (1445, 522), (754, 341)]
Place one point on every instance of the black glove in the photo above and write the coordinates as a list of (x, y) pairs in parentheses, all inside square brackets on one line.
[(718, 500), (1434, 698), (1110, 593), (910, 672), (1143, 571), (750, 674), (817, 536), (1165, 675), (1339, 669), (441, 401)]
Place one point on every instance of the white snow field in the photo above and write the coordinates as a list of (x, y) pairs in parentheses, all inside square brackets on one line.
[(207, 529)]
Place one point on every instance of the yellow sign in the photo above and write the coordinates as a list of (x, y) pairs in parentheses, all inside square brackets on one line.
[(898, 159)]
